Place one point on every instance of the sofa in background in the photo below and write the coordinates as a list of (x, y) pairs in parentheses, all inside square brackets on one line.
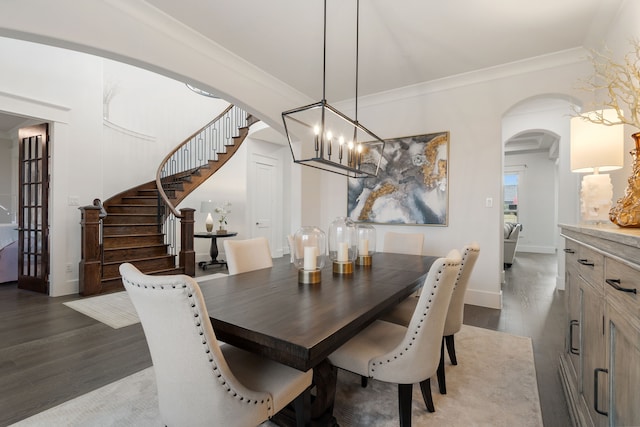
[(8, 253), (511, 236)]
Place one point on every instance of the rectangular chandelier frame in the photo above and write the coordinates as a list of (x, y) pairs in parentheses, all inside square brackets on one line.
[(331, 141)]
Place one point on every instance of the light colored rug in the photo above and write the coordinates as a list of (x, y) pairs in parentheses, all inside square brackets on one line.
[(494, 384), (116, 309)]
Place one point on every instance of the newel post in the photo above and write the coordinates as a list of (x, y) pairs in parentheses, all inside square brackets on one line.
[(187, 257), (91, 251)]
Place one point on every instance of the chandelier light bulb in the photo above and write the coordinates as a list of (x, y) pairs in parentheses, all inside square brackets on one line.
[(341, 140), (316, 130), (329, 135)]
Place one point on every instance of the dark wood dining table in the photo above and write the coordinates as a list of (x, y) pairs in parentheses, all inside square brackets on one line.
[(268, 312)]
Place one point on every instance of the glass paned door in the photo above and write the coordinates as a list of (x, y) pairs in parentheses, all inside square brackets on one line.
[(33, 225)]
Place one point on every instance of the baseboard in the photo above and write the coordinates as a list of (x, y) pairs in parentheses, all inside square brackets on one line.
[(70, 287), (483, 298), (535, 249)]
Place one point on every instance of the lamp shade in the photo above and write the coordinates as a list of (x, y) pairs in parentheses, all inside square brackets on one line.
[(595, 146), (207, 207)]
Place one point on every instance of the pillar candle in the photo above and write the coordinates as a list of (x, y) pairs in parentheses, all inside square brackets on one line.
[(310, 258), (343, 252), (364, 247)]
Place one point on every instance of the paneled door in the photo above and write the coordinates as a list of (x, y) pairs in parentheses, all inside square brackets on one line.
[(33, 209), (264, 199)]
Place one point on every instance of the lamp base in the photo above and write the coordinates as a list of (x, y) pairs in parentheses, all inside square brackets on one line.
[(343, 267), (595, 198)]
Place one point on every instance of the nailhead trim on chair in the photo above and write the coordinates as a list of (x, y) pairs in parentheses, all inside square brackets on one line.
[(198, 324), (424, 314)]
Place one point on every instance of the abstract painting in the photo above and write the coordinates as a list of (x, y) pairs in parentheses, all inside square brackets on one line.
[(411, 187)]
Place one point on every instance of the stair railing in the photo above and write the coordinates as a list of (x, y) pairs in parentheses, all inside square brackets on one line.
[(187, 158)]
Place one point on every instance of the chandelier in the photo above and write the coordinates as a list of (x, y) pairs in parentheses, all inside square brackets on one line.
[(328, 139)]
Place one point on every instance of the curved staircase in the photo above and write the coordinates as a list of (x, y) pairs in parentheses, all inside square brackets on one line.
[(138, 225)]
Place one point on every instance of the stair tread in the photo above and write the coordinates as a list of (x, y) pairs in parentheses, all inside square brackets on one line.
[(119, 248), (139, 259), (152, 272)]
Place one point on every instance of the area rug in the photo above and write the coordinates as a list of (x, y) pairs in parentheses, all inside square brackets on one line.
[(494, 384), (116, 309)]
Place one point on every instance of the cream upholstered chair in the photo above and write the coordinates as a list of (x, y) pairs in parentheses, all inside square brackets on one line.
[(406, 355), (402, 313), (247, 255), (403, 243), (200, 381)]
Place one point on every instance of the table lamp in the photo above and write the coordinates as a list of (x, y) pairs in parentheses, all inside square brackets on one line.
[(208, 208), (596, 148)]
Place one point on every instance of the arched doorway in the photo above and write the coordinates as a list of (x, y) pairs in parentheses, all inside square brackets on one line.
[(535, 135)]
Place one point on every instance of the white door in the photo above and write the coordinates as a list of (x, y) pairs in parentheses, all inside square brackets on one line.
[(264, 200)]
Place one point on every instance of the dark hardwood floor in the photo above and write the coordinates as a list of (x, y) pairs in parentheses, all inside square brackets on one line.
[(50, 353)]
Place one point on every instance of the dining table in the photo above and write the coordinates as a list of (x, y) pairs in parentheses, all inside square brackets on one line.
[(270, 313)]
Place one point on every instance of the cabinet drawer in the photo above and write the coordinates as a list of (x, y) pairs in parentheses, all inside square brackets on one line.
[(571, 250), (621, 280), (590, 266)]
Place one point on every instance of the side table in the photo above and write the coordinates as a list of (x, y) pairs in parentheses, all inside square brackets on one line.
[(213, 251)]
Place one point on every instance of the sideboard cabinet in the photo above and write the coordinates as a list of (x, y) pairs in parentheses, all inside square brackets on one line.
[(600, 364)]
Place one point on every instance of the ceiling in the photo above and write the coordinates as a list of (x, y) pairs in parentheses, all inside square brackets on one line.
[(402, 43)]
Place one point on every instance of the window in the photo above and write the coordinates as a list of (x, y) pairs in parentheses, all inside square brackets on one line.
[(510, 188)]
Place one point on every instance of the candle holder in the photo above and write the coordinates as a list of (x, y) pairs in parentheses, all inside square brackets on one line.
[(342, 245), (366, 244), (309, 245)]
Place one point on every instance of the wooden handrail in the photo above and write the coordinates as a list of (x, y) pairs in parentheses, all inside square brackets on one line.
[(161, 191)]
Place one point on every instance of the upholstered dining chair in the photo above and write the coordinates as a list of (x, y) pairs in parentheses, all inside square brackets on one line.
[(402, 313), (200, 381), (403, 243), (247, 255), (406, 355)]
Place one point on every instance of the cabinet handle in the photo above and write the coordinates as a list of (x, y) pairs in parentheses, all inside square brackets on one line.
[(569, 251), (595, 390), (572, 349), (615, 284), (584, 261)]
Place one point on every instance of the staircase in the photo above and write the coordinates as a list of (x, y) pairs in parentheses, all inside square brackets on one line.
[(139, 225)]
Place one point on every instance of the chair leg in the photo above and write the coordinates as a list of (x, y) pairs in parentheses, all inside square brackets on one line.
[(364, 381), (302, 406), (405, 396), (425, 387), (451, 348), (441, 378)]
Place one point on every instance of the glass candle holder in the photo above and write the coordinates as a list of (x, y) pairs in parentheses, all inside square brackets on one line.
[(343, 245), (309, 250), (366, 244)]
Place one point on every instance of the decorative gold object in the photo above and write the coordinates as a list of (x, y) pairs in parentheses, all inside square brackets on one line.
[(309, 277), (626, 212), (342, 267), (364, 260), (619, 84)]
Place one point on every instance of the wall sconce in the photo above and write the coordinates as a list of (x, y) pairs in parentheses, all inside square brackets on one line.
[(596, 148)]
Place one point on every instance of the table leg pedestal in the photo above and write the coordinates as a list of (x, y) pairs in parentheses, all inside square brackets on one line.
[(213, 253), (323, 393)]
